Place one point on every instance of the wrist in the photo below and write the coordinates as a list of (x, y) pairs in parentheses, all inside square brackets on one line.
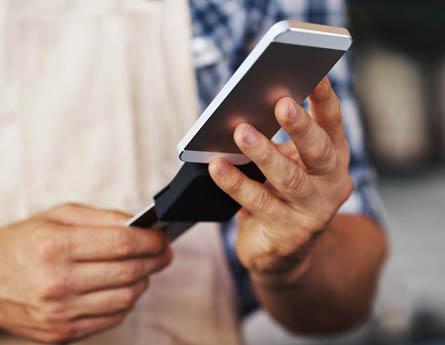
[(281, 279)]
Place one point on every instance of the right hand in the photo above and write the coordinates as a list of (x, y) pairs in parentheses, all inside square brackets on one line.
[(74, 271)]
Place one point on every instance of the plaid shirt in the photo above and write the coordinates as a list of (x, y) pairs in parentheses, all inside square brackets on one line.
[(224, 31)]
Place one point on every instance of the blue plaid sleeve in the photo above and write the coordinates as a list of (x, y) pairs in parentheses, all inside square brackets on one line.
[(224, 32), (259, 16)]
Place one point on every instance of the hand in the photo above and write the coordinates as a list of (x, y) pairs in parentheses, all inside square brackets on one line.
[(307, 181), (74, 271)]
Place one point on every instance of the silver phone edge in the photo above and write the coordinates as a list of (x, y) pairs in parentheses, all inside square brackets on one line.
[(315, 35)]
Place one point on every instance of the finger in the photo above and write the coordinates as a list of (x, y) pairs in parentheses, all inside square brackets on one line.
[(71, 331), (77, 214), (34, 334), (285, 175), (326, 110), (107, 301), (312, 142), (83, 327), (288, 149), (88, 277), (251, 195), (113, 243)]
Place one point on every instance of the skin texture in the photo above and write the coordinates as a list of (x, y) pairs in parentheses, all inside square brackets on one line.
[(313, 270), (73, 271)]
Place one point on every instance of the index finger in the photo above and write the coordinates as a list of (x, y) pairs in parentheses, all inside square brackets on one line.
[(83, 215), (114, 243)]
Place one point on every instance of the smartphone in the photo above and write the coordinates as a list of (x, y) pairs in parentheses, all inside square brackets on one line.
[(290, 60)]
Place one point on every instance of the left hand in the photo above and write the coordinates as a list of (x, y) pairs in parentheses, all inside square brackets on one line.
[(307, 182)]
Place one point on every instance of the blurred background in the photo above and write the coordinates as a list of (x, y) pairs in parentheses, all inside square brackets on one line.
[(399, 76)]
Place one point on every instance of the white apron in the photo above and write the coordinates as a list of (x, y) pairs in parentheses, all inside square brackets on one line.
[(94, 96)]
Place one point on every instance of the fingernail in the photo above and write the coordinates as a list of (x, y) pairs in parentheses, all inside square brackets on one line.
[(292, 110), (222, 168), (250, 136)]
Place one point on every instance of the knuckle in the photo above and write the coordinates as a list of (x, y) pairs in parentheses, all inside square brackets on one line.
[(123, 243), (347, 188), (325, 152), (267, 245), (294, 179), (235, 184), (333, 119), (51, 315), (261, 202), (45, 319), (133, 269), (265, 155), (43, 230), (52, 247), (53, 288), (57, 329), (61, 333), (322, 154)]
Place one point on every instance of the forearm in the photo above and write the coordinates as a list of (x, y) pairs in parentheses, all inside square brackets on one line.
[(336, 290)]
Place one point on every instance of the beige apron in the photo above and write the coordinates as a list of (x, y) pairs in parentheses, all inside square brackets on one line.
[(94, 96)]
